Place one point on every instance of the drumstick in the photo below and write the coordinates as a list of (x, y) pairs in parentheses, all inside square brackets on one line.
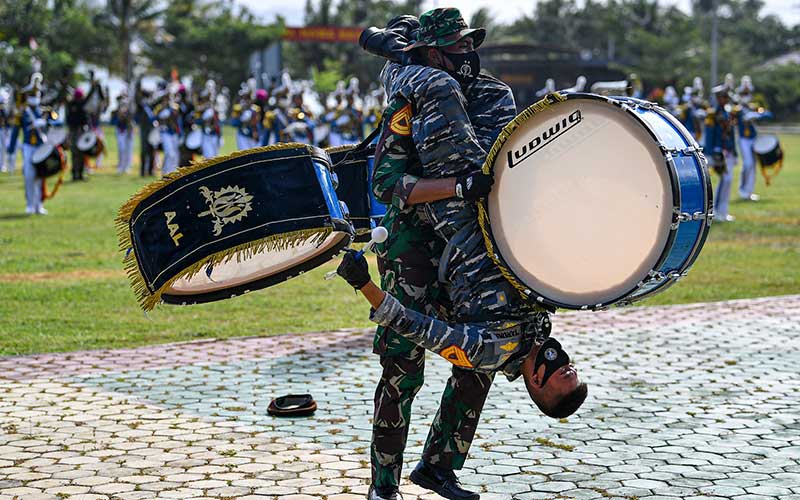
[(378, 235)]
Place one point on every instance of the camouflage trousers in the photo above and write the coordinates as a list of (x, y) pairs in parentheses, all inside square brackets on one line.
[(403, 365)]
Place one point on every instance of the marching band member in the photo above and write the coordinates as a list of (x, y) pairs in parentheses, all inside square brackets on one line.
[(5, 130), (690, 113), (671, 100), (167, 113), (146, 119), (212, 132), (349, 122), (747, 116), (13, 133), (77, 123), (186, 122), (247, 132), (96, 103), (123, 122), (720, 143), (34, 125), (301, 124)]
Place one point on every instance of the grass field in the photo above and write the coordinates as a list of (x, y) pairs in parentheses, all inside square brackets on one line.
[(62, 287)]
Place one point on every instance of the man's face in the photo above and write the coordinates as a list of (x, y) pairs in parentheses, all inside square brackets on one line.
[(436, 57), (562, 382)]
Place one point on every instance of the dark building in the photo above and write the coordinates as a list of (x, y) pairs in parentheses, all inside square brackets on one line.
[(526, 67)]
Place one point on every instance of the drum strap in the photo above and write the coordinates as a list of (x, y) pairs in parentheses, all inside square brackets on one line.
[(362, 146)]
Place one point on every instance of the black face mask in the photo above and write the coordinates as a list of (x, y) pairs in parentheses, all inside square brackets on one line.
[(552, 356), (467, 66)]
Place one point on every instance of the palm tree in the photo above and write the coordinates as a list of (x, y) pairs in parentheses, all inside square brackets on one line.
[(130, 19)]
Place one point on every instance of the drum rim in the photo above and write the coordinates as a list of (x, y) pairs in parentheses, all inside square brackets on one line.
[(708, 203), (628, 105), (339, 226)]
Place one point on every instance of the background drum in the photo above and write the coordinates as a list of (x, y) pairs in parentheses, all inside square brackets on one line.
[(230, 225), (597, 201), (353, 168), (194, 141), (48, 159), (154, 139), (768, 150), (90, 144)]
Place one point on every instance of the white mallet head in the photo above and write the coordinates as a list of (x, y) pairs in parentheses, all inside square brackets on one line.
[(379, 234)]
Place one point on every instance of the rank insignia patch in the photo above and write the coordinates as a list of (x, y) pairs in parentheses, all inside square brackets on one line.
[(457, 356), (400, 123)]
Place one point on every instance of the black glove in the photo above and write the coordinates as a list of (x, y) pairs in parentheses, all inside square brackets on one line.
[(471, 187), (355, 271)]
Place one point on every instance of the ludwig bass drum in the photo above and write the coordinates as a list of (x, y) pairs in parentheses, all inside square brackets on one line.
[(597, 201)]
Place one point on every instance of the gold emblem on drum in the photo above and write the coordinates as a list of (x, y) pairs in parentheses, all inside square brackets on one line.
[(229, 204)]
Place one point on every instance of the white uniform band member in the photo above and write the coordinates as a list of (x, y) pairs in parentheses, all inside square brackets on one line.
[(170, 134), (34, 127), (123, 122)]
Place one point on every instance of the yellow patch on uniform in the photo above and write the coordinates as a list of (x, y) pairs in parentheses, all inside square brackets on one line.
[(509, 346), (457, 356), (400, 123)]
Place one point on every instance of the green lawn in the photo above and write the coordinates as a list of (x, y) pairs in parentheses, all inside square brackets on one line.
[(62, 287)]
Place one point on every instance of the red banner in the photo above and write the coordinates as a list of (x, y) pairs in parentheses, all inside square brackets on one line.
[(322, 34)]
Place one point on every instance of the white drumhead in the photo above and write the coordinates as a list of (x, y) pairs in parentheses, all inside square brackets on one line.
[(41, 153), (233, 273), (194, 140), (154, 137), (765, 144), (87, 141), (584, 212), (56, 136)]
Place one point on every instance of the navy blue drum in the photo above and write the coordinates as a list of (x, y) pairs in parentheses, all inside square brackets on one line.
[(353, 167), (597, 201), (231, 225)]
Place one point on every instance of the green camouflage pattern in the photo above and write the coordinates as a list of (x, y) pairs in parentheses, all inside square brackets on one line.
[(442, 27), (443, 143), (407, 262), (456, 421)]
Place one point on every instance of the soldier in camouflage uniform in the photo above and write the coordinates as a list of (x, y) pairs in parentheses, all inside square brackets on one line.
[(439, 128)]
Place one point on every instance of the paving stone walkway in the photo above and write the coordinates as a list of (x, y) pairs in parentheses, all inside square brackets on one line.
[(695, 402)]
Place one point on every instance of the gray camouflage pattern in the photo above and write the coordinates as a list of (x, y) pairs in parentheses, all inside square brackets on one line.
[(488, 346)]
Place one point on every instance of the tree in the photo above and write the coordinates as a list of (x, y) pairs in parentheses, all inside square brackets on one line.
[(131, 20), (208, 39), (58, 33)]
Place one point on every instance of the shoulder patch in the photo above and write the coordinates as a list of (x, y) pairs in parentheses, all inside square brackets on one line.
[(457, 356), (400, 122)]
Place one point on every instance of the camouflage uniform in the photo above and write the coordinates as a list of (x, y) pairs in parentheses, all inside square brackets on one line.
[(439, 141), (488, 346), (407, 262)]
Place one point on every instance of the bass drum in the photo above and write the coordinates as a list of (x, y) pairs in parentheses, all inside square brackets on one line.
[(596, 202), (227, 226)]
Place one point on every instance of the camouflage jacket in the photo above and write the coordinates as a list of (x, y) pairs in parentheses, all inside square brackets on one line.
[(411, 241)]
